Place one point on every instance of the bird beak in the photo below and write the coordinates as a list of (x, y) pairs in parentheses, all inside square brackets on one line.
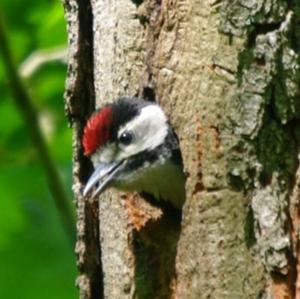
[(103, 175)]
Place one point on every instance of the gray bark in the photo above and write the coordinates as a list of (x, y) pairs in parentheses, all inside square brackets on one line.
[(227, 75)]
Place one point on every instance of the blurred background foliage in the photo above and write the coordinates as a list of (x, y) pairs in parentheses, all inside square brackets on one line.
[(36, 257)]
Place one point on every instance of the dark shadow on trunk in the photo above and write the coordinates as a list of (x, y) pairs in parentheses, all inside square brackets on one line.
[(155, 249)]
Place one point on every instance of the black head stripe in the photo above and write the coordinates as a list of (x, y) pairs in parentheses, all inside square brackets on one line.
[(168, 150), (124, 110)]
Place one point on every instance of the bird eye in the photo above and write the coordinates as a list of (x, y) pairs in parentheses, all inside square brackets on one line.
[(126, 138)]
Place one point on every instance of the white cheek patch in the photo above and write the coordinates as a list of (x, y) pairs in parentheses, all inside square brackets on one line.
[(149, 128), (105, 154)]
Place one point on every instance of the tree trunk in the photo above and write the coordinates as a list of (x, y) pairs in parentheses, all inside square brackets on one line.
[(227, 74)]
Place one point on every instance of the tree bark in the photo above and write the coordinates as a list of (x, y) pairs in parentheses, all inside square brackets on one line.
[(227, 74)]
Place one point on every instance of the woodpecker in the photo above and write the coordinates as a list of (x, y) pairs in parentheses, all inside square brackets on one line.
[(133, 148)]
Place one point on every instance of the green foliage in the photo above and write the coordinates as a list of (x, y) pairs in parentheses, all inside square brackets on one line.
[(36, 258)]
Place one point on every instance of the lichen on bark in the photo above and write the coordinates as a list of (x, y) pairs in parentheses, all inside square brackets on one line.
[(263, 113)]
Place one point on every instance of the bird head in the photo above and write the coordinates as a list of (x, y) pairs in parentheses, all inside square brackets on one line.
[(130, 142)]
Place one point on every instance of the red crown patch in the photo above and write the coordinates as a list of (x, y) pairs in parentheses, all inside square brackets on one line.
[(97, 130)]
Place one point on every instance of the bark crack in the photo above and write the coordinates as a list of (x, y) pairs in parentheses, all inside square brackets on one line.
[(80, 102)]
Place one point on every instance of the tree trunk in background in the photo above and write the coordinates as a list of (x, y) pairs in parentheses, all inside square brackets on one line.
[(227, 74)]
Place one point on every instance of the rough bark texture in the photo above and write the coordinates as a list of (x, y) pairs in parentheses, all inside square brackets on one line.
[(80, 103), (227, 74)]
